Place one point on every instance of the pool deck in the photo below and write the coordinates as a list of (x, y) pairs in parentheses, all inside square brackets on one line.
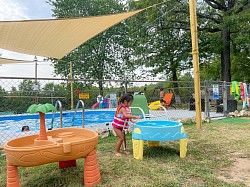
[(176, 114)]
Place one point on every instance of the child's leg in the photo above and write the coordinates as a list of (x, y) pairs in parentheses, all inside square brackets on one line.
[(120, 135)]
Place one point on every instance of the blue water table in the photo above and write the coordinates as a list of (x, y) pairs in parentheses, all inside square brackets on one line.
[(154, 132)]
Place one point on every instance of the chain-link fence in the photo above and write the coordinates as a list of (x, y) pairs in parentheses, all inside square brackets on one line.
[(17, 94)]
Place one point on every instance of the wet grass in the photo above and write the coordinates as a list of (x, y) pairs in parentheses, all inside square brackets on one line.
[(211, 151)]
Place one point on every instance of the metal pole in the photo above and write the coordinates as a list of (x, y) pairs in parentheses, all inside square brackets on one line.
[(207, 105), (71, 86), (224, 94), (36, 86), (195, 53)]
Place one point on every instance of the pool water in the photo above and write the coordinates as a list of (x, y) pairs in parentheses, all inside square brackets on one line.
[(14, 123), (158, 123)]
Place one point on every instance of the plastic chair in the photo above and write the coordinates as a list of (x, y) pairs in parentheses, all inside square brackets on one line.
[(140, 107), (168, 100)]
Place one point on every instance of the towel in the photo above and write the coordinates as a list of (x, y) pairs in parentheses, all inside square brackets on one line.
[(246, 98), (235, 90)]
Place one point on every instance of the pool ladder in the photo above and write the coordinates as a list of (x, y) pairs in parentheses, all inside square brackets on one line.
[(83, 109), (57, 104)]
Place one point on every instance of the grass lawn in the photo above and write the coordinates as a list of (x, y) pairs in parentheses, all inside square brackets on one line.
[(218, 155)]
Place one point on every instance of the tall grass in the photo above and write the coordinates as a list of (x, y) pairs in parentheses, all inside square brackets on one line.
[(212, 152)]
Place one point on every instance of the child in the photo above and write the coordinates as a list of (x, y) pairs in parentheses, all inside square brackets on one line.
[(162, 96), (120, 123), (25, 128)]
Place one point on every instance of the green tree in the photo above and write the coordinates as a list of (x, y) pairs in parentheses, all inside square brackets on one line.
[(27, 87), (210, 70), (2, 90), (51, 87), (224, 23), (103, 56), (2, 99), (241, 46), (159, 45), (221, 24), (13, 89)]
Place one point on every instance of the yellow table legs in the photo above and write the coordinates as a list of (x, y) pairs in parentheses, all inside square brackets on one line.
[(138, 149), (183, 148), (138, 145), (183, 145), (153, 144)]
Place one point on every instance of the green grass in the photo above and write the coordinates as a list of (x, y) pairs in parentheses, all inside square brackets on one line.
[(233, 120), (212, 152)]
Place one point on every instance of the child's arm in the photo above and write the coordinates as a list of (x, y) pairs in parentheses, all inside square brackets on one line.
[(128, 116), (132, 121)]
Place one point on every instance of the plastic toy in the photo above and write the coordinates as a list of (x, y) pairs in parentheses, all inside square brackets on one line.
[(155, 132), (57, 145)]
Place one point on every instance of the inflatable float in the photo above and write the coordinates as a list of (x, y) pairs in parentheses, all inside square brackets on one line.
[(155, 105)]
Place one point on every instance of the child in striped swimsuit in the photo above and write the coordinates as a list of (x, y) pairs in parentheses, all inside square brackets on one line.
[(121, 121)]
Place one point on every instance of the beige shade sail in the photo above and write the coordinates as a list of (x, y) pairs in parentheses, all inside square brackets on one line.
[(55, 38), (13, 61)]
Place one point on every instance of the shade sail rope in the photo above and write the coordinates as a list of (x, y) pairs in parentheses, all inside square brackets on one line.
[(12, 61), (55, 38)]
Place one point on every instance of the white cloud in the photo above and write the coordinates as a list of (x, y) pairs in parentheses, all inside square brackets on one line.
[(44, 70), (12, 10), (22, 10)]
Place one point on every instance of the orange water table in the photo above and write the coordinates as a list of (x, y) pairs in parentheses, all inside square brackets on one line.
[(62, 145)]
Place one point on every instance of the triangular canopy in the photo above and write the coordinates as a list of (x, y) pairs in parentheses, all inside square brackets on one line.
[(55, 38)]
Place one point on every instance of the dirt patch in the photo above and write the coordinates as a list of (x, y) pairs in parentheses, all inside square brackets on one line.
[(239, 172), (233, 133), (194, 181)]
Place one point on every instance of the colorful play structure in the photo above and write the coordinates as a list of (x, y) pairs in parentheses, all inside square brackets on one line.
[(109, 101), (60, 145), (154, 132), (99, 102)]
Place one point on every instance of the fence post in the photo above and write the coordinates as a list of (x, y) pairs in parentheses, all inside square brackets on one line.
[(207, 105), (71, 85), (224, 90)]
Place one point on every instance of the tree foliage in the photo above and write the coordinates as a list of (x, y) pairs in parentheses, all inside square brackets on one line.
[(225, 21), (103, 56), (27, 87), (223, 31), (159, 45), (158, 40)]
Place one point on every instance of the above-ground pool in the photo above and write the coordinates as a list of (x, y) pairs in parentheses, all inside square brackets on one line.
[(11, 125), (15, 122)]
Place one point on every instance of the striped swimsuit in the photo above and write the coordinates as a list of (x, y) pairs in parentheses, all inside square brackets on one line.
[(120, 122)]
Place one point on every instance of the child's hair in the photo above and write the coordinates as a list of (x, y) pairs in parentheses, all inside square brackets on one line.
[(161, 89), (126, 97), (25, 128)]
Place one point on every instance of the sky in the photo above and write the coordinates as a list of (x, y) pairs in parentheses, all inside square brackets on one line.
[(24, 10)]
